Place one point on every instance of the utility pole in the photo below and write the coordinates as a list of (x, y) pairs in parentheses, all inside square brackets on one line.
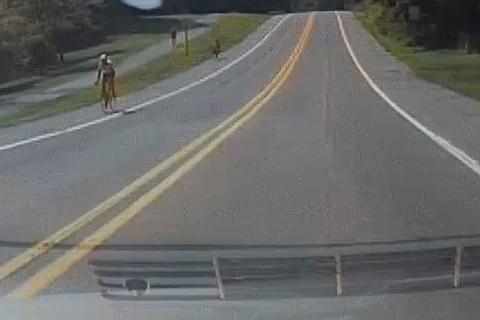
[(186, 26)]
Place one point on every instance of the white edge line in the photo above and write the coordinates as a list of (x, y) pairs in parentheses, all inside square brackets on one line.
[(458, 153), (142, 105)]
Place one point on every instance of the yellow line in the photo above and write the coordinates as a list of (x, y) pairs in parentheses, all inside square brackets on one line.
[(54, 270), (48, 243)]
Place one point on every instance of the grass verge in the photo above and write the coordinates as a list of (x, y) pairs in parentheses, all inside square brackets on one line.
[(230, 29), (120, 47), (453, 69)]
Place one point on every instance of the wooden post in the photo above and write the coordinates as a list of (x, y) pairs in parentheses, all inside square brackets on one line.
[(187, 42)]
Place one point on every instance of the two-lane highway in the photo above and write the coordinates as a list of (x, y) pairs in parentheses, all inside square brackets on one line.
[(315, 157), (326, 161)]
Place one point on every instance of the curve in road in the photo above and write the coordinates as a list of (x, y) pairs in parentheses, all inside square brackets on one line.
[(326, 161)]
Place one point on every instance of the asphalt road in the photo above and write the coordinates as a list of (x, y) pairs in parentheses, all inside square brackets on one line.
[(325, 161)]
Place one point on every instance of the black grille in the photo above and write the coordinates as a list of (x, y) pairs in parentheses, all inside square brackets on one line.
[(167, 280), (276, 272)]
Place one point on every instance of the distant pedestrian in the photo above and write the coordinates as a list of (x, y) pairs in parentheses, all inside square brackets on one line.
[(217, 48), (173, 36), (106, 78), (60, 54)]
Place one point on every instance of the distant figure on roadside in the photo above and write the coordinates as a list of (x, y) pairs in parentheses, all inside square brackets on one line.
[(217, 48), (173, 36), (60, 55), (106, 77)]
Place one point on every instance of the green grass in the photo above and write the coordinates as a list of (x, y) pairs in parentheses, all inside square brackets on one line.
[(453, 69), (230, 29), (128, 34), (120, 47)]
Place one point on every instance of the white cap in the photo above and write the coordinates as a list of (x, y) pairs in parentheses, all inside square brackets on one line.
[(109, 60), (103, 56)]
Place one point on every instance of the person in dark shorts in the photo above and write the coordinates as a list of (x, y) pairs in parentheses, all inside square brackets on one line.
[(173, 37)]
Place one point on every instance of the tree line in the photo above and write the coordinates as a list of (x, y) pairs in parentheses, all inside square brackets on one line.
[(251, 6), (440, 23), (205, 6), (35, 33)]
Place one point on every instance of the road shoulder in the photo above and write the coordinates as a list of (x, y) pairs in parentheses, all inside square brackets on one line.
[(447, 113)]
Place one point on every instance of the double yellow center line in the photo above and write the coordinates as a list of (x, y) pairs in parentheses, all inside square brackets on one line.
[(216, 136)]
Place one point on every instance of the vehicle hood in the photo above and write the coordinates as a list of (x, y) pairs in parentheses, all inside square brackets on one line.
[(458, 304)]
